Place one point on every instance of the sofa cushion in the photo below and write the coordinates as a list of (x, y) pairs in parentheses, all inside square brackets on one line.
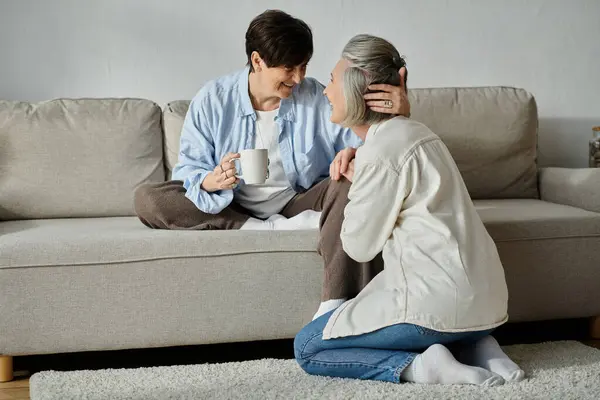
[(84, 241), (529, 219), (125, 239), (550, 257), (112, 283), (173, 117), (491, 133), (77, 158)]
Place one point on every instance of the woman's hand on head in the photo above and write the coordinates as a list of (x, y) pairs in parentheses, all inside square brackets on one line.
[(341, 162), (397, 95)]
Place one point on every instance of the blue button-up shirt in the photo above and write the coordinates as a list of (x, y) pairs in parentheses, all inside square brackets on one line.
[(221, 119)]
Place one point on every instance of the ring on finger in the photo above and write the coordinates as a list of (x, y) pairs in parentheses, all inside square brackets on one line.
[(388, 104)]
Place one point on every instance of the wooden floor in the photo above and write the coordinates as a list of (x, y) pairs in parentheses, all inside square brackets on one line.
[(15, 390), (18, 389)]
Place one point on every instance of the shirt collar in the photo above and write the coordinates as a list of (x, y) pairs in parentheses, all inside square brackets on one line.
[(371, 132), (286, 106), (244, 103), (375, 127)]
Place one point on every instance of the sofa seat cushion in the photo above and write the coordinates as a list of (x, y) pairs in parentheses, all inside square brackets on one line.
[(529, 219), (550, 256), (81, 241), (125, 239), (112, 283)]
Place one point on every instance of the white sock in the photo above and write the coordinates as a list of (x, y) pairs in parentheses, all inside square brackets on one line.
[(327, 306), (488, 354), (308, 219), (255, 224), (438, 365)]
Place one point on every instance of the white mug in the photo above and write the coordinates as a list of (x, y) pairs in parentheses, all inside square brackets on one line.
[(254, 166)]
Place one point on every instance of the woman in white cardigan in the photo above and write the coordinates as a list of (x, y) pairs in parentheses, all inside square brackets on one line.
[(428, 316)]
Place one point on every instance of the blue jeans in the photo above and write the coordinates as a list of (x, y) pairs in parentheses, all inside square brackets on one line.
[(380, 355)]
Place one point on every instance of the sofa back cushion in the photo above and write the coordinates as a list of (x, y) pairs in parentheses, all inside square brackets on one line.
[(491, 133), (173, 117), (77, 157)]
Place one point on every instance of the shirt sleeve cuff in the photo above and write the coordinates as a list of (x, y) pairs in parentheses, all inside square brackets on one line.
[(209, 203)]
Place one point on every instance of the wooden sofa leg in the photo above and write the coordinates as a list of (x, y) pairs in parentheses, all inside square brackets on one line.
[(6, 368), (595, 328)]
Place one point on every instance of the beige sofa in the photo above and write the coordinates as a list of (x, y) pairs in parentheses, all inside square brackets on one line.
[(79, 272)]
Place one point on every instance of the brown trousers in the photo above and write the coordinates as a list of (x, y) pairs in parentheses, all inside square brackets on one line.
[(164, 206)]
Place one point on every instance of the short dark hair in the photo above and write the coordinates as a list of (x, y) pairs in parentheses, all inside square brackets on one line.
[(280, 39)]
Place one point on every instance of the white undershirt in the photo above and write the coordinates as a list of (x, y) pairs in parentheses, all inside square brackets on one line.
[(271, 197)]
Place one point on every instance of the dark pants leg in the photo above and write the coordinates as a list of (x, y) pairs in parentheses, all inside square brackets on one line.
[(164, 206), (343, 277)]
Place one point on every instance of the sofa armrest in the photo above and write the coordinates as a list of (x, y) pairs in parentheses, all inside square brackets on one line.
[(577, 187)]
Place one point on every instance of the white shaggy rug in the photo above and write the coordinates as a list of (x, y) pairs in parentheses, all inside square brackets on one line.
[(555, 370)]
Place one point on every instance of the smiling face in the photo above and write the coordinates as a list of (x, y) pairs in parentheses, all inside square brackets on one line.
[(277, 81), (335, 92)]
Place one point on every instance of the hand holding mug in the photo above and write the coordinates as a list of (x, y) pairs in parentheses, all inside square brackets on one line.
[(223, 177)]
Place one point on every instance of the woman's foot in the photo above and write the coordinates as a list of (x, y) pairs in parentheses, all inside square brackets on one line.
[(306, 220), (438, 365), (487, 353), (328, 305)]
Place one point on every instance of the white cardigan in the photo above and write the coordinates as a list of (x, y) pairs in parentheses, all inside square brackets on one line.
[(441, 267)]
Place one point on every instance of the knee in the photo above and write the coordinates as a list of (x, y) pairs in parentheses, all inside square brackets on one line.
[(338, 191), (307, 342), (144, 200), (307, 345), (299, 342), (341, 186)]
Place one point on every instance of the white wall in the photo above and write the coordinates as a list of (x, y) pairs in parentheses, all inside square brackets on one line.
[(164, 50)]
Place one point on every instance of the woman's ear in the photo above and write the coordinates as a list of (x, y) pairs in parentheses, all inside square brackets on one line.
[(257, 62)]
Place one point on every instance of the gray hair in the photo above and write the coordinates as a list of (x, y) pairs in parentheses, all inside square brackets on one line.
[(372, 60)]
